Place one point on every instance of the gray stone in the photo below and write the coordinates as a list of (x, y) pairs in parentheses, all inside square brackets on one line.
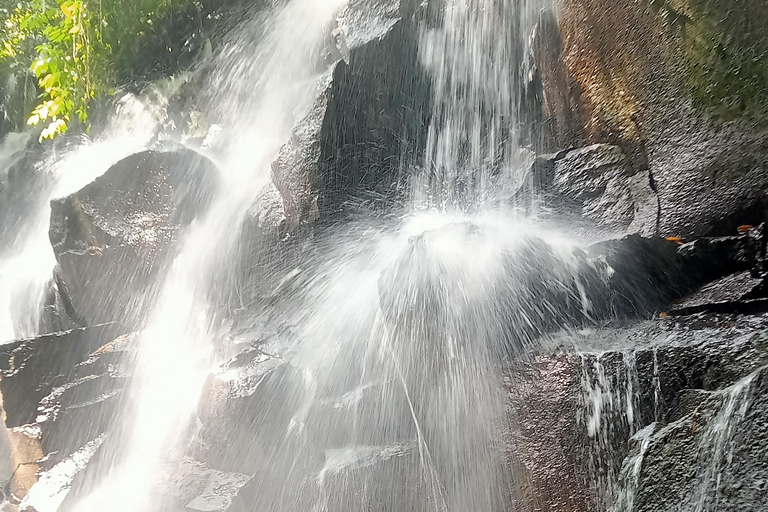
[(112, 238), (572, 415), (32, 368), (598, 183)]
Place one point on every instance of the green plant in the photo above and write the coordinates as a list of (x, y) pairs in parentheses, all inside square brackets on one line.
[(73, 48)]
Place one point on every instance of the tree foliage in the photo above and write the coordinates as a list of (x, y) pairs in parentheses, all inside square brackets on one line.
[(73, 48)]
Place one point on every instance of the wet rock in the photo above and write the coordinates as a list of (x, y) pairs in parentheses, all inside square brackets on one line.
[(544, 438), (727, 290), (572, 413), (693, 119), (112, 238), (54, 482), (25, 455), (32, 368), (388, 476), (191, 486), (80, 400), (644, 274), (597, 184), (350, 147), (714, 458), (252, 389), (58, 313)]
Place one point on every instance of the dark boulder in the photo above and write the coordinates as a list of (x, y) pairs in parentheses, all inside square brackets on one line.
[(113, 237), (368, 121)]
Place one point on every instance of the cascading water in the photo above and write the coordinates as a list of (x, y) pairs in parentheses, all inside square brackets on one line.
[(382, 388), (407, 387), (175, 350)]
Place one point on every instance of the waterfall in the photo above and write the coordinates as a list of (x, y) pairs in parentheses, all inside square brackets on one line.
[(262, 90), (378, 382), (478, 58)]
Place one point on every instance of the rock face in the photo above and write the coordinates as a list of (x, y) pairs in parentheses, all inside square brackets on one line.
[(688, 388), (59, 391), (115, 235), (368, 121), (679, 86), (602, 188)]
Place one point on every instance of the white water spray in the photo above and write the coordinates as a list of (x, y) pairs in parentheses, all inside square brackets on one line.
[(175, 350)]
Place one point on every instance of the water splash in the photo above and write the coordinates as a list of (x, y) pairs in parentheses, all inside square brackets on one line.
[(175, 350)]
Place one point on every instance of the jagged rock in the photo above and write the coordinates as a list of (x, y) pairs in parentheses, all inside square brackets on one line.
[(250, 390), (54, 483), (114, 236), (727, 290), (32, 368), (573, 413), (350, 147), (597, 184), (713, 458), (66, 390)]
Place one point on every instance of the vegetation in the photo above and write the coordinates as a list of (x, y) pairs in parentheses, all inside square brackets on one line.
[(74, 49), (726, 53)]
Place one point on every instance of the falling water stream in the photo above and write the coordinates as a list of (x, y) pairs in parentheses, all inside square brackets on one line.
[(383, 388)]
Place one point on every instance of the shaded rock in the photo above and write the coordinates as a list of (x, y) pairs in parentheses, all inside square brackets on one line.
[(112, 238), (644, 274), (32, 368), (726, 290), (81, 389), (374, 126), (713, 458), (58, 313), (599, 185)]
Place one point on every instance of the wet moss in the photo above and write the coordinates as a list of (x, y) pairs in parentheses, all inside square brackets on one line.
[(725, 53)]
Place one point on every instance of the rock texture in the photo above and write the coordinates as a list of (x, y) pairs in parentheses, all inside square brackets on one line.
[(680, 86), (59, 392), (115, 235), (572, 415), (369, 118)]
